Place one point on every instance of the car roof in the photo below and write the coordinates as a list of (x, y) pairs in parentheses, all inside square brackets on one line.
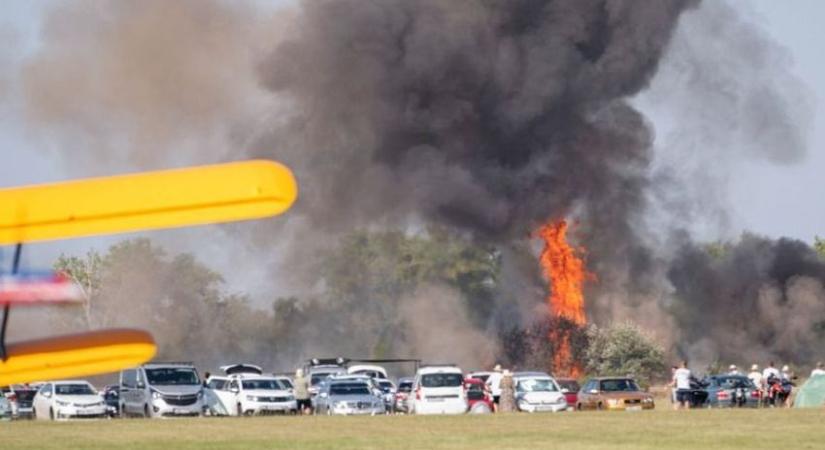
[(169, 364), (349, 380), (71, 382), (472, 380), (439, 369), (612, 378), (531, 375), (366, 367)]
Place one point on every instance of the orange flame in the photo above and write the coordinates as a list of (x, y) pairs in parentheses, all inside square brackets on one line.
[(566, 272)]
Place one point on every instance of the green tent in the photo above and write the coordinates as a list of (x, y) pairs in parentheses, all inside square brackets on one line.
[(812, 393)]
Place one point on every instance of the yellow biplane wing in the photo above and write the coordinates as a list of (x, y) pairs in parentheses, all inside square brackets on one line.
[(144, 201)]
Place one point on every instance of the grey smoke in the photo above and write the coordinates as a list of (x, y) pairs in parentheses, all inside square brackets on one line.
[(488, 117)]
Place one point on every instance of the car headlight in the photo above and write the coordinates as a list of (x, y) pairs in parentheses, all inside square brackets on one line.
[(252, 398), (200, 394), (339, 405), (62, 403), (613, 401), (561, 400), (155, 395), (648, 399)]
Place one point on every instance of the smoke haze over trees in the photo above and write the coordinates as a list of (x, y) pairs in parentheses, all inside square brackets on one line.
[(449, 130)]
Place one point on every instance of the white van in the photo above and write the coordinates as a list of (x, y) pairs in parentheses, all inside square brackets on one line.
[(439, 390), (161, 389)]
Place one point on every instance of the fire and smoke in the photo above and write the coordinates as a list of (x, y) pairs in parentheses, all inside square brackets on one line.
[(566, 272), (484, 117)]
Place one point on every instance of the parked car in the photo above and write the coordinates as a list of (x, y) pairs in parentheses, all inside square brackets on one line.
[(319, 370), (538, 392), (726, 391), (20, 398), (439, 390), (246, 394), (370, 370), (111, 395), (570, 389), (614, 393), (402, 395), (479, 398), (68, 399), (161, 389), (5, 408), (483, 376), (349, 396)]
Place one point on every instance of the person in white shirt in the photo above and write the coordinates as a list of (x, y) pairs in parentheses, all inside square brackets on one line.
[(494, 381), (681, 380), (756, 377), (820, 370), (769, 372)]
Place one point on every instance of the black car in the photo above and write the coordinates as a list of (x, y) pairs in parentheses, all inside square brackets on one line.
[(730, 391)]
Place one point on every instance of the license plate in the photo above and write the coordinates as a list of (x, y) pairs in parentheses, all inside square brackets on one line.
[(180, 411), (436, 399), (633, 408)]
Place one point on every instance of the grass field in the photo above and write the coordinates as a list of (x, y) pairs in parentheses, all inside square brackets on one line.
[(706, 429)]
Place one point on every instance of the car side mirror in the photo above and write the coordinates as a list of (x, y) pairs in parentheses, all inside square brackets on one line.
[(594, 391)]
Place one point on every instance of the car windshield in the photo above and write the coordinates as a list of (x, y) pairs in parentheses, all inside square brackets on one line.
[(482, 377), (734, 382), (318, 377), (536, 385), (269, 384), (570, 385), (74, 389), (622, 385), (405, 386), (218, 384), (349, 389), (285, 382), (369, 372), (436, 380), (385, 386), (170, 376)]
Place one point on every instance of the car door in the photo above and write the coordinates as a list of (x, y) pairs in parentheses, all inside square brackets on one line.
[(42, 402), (233, 395), (590, 394), (226, 399)]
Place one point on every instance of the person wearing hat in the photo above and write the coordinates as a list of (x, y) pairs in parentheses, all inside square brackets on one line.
[(733, 370), (494, 381), (756, 378), (819, 371)]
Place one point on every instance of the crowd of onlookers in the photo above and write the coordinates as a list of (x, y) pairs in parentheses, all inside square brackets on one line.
[(772, 385)]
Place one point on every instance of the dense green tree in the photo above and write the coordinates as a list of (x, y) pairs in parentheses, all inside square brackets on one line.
[(625, 349), (819, 246)]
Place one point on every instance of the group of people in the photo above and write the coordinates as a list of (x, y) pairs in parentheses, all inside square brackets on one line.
[(774, 385)]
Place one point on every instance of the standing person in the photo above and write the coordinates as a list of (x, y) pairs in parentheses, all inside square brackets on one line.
[(770, 371), (301, 391), (206, 376), (507, 399), (770, 376), (733, 370), (681, 381), (819, 370), (673, 400), (756, 378), (494, 381)]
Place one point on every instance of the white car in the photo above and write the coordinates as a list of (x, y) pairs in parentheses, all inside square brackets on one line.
[(538, 392), (370, 370), (68, 399), (439, 390), (250, 394)]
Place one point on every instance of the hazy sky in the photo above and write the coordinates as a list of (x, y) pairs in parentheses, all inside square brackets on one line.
[(784, 200)]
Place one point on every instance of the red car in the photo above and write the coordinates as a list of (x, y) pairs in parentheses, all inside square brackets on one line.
[(570, 389), (479, 399)]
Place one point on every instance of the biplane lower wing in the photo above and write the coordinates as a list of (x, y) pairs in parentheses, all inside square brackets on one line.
[(76, 355)]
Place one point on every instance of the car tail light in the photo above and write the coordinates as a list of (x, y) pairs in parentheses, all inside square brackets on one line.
[(722, 395), (755, 394)]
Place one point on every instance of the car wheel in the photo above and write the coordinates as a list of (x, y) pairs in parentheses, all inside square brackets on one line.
[(146, 414), (239, 410), (51, 414), (34, 413), (600, 406), (578, 406)]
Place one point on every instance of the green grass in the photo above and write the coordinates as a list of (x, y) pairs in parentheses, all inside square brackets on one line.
[(704, 429)]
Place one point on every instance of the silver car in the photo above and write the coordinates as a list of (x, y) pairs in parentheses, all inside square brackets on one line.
[(348, 397)]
